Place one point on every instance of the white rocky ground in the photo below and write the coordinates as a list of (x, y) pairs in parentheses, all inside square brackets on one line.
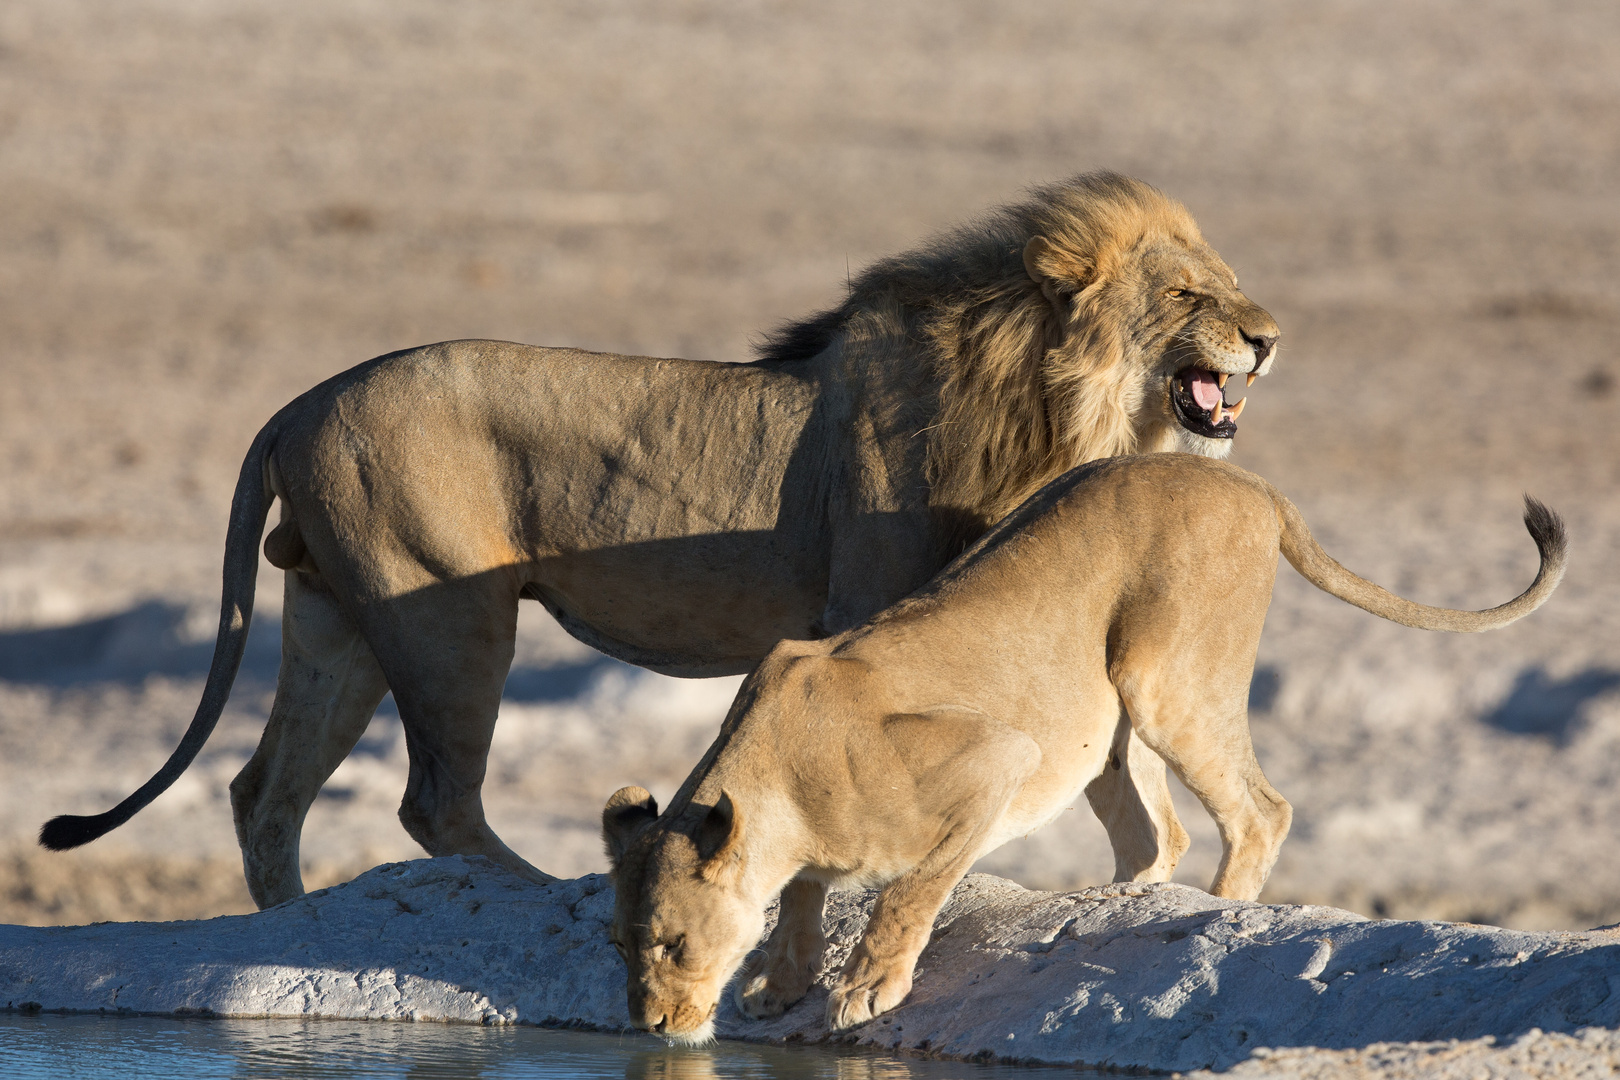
[(210, 206), (1160, 977)]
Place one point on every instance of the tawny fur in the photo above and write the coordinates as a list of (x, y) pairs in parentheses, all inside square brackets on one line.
[(1118, 612), (682, 515)]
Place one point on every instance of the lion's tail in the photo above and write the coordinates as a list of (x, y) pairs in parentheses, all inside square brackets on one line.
[(249, 508), (1300, 548)]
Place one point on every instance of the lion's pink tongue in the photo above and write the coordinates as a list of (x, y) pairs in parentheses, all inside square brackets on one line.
[(1201, 385)]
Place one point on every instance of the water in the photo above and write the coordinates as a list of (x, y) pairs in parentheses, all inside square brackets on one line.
[(152, 1048)]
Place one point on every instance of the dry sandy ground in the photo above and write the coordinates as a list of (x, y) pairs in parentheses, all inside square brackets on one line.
[(1590, 1054), (208, 206)]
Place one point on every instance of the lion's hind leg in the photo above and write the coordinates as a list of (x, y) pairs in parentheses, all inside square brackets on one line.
[(783, 970), (326, 692), (448, 648)]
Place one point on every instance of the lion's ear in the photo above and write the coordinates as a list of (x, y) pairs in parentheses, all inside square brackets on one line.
[(1059, 274), (719, 839), (627, 811)]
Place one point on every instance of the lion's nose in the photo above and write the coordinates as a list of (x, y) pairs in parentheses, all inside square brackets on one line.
[(663, 1021), (1262, 345)]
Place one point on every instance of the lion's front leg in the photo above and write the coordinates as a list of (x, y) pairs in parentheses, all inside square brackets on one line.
[(791, 956)]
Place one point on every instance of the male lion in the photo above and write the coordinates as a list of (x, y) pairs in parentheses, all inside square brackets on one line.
[(687, 516), (1127, 597)]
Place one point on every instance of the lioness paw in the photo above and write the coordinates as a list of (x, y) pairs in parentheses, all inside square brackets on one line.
[(853, 1003), (771, 986), (758, 1000)]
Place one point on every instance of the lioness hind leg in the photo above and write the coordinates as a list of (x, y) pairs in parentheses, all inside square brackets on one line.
[(787, 965), (1214, 757), (1131, 797), (326, 692), (447, 649)]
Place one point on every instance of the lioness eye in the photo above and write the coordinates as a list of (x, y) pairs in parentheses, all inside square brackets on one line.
[(670, 950), (1176, 294)]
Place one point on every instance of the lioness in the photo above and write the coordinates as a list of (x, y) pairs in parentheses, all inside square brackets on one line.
[(686, 516), (1127, 597)]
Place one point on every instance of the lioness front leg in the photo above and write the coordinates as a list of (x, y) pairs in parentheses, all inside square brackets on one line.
[(965, 767), (791, 956), (877, 975)]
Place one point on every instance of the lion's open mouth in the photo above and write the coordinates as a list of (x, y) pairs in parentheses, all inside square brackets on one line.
[(1198, 396)]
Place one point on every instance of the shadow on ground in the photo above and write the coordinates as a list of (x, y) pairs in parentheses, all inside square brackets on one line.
[(1263, 688), (155, 638), (151, 638), (1551, 708)]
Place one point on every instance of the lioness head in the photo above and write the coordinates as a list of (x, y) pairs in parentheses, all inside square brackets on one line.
[(680, 921)]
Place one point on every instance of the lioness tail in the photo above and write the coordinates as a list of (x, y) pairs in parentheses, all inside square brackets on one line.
[(249, 507), (1300, 548)]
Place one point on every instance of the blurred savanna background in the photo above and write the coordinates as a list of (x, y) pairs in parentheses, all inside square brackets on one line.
[(207, 206)]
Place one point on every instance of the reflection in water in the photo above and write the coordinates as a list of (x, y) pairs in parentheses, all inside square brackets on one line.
[(673, 1065), (879, 1068), (148, 1048)]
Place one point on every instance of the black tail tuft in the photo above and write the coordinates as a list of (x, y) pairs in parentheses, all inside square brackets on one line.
[(1546, 529), (70, 831)]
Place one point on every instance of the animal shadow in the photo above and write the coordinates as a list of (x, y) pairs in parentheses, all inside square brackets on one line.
[(1550, 708), (1263, 688), (558, 683), (151, 638)]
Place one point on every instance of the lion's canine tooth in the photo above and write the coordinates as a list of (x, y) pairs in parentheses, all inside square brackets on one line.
[(1220, 380), (1215, 417), (1236, 408), (1251, 376)]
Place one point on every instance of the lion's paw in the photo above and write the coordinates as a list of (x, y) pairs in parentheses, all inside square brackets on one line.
[(855, 1001)]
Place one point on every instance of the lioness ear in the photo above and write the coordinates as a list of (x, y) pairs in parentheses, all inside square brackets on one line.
[(1059, 275), (719, 838), (628, 810)]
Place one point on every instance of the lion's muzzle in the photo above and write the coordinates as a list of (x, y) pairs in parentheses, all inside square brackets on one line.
[(1262, 344)]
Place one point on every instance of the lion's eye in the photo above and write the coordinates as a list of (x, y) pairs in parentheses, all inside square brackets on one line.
[(1177, 294)]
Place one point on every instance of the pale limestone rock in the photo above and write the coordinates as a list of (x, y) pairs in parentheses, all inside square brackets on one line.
[(1155, 976)]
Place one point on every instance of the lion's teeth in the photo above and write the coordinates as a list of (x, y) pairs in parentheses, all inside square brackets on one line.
[(1220, 380), (1215, 417), (1236, 409), (1251, 376)]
